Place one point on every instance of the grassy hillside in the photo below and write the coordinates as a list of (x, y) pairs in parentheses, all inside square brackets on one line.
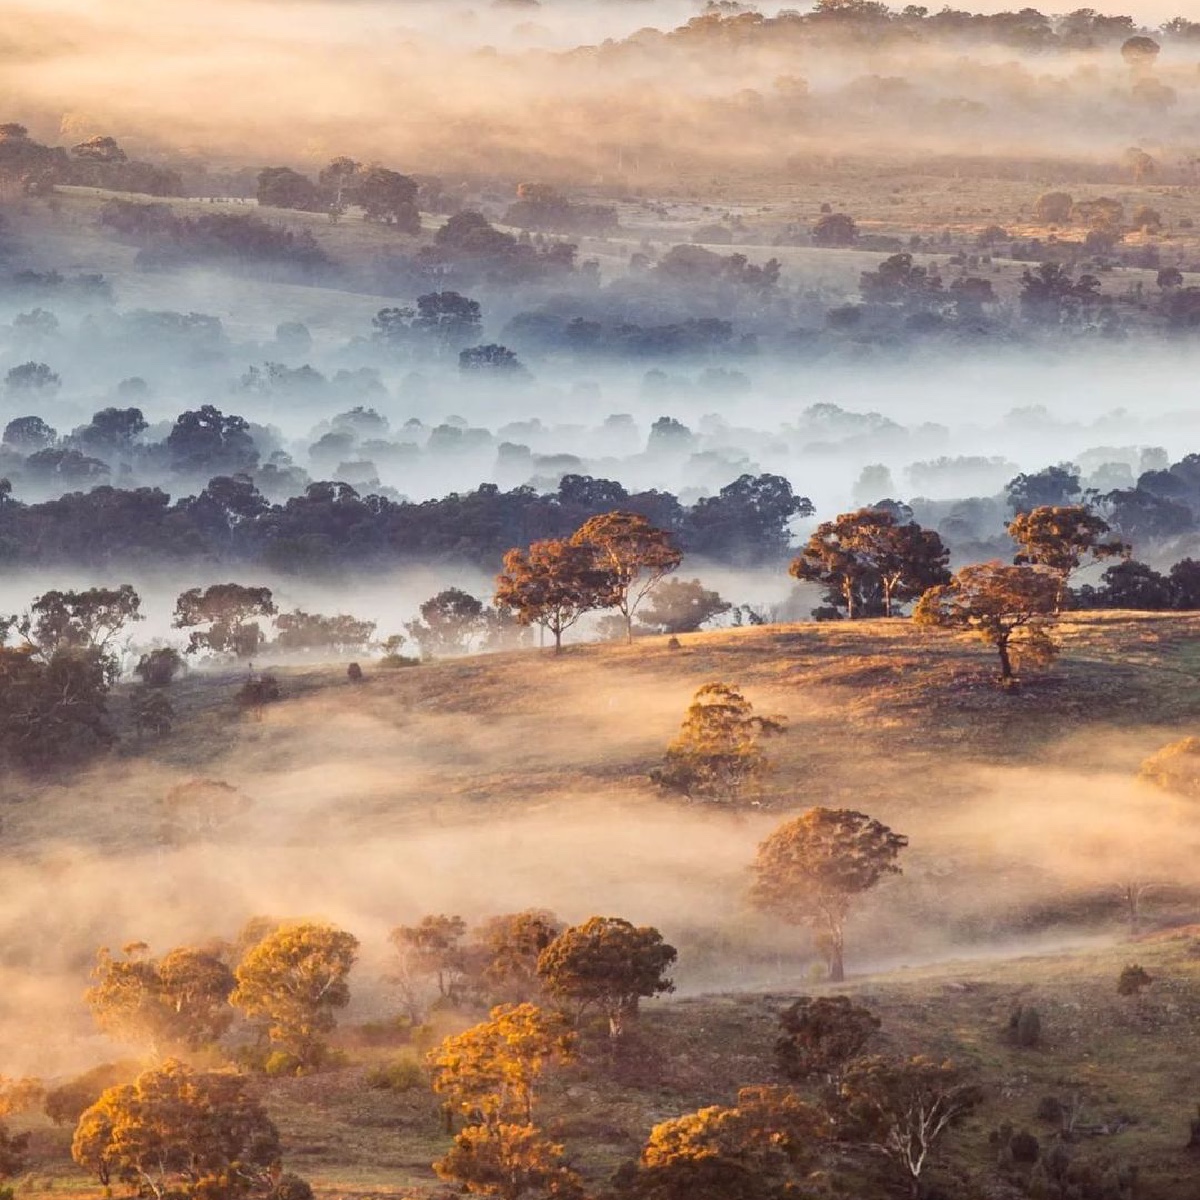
[(455, 785)]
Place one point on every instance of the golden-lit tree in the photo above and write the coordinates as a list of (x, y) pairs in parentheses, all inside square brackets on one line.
[(718, 755), (759, 1150), (508, 1161), (178, 1001), (868, 560), (1175, 768), (609, 964), (294, 980), (175, 1132), (553, 584), (1060, 537), (508, 947), (1011, 608), (813, 867), (489, 1073), (636, 554)]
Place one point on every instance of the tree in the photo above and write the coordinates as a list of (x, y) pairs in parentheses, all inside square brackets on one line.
[(227, 610), (89, 620), (1175, 768), (447, 317), (180, 1001), (178, 1133), (389, 197), (607, 963), (717, 754), (489, 1073), (1140, 53), (509, 1161), (1051, 486), (747, 521), (338, 178), (158, 668), (870, 559), (821, 1036), (29, 434), (681, 606), (31, 377), (100, 149), (448, 623), (902, 1109), (492, 358), (433, 947), (758, 1150), (835, 229), (313, 632), (53, 712), (813, 867), (281, 187), (1006, 607), (553, 584), (508, 948), (634, 553), (201, 808), (206, 442), (1059, 537), (1054, 208), (294, 980)]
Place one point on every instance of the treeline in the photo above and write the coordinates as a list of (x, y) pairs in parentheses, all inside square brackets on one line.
[(1028, 29), (96, 162), (330, 526)]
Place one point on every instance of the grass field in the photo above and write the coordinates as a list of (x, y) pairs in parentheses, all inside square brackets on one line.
[(906, 725)]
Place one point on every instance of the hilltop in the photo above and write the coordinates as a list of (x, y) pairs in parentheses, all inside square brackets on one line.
[(491, 783)]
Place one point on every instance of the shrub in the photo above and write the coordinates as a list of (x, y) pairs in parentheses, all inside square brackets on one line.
[(399, 1075), (254, 693), (1132, 980), (279, 1063), (354, 673), (395, 661), (1024, 1147), (158, 668), (1025, 1026)]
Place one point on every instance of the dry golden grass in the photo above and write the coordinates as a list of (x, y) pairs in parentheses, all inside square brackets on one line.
[(882, 715)]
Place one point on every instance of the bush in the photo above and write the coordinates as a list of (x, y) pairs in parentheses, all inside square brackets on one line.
[(254, 693), (1132, 980), (158, 668), (1025, 1027), (354, 673), (279, 1064), (395, 661), (399, 1075), (1024, 1147)]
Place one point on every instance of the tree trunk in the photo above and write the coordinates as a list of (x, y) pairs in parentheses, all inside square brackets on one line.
[(837, 951), (848, 592), (887, 598), (1006, 671), (629, 628), (557, 640)]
